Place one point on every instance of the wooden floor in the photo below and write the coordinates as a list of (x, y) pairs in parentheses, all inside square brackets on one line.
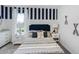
[(65, 50), (10, 49)]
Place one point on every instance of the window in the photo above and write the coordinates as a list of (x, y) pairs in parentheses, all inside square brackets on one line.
[(20, 24)]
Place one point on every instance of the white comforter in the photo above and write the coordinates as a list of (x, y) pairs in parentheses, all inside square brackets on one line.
[(39, 48)]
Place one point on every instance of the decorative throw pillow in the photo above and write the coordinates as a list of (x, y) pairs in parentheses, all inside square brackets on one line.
[(48, 34), (40, 34), (34, 34), (45, 34)]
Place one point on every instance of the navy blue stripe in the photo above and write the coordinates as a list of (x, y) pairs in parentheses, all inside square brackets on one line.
[(6, 12), (10, 12), (31, 13), (38, 13), (35, 13), (42, 13), (50, 14), (53, 14), (2, 11), (46, 13)]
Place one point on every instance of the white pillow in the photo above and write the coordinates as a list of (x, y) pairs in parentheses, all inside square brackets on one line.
[(48, 34), (40, 34)]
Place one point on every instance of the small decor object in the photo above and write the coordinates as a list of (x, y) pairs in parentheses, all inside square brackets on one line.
[(75, 32), (66, 22), (55, 28)]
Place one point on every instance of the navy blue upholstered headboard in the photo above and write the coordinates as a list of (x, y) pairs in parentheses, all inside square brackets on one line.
[(44, 27)]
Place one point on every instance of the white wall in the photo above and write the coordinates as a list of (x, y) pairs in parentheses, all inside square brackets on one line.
[(6, 23), (67, 39), (29, 22)]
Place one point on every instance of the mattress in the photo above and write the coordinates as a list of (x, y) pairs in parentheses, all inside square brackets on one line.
[(52, 48)]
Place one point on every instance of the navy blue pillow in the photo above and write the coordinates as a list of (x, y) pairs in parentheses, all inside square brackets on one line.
[(45, 34), (34, 34)]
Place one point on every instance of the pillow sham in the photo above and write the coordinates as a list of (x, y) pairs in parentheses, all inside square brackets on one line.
[(34, 34), (40, 34), (45, 34)]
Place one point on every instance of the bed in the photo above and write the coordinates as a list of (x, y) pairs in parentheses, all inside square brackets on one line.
[(38, 44)]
